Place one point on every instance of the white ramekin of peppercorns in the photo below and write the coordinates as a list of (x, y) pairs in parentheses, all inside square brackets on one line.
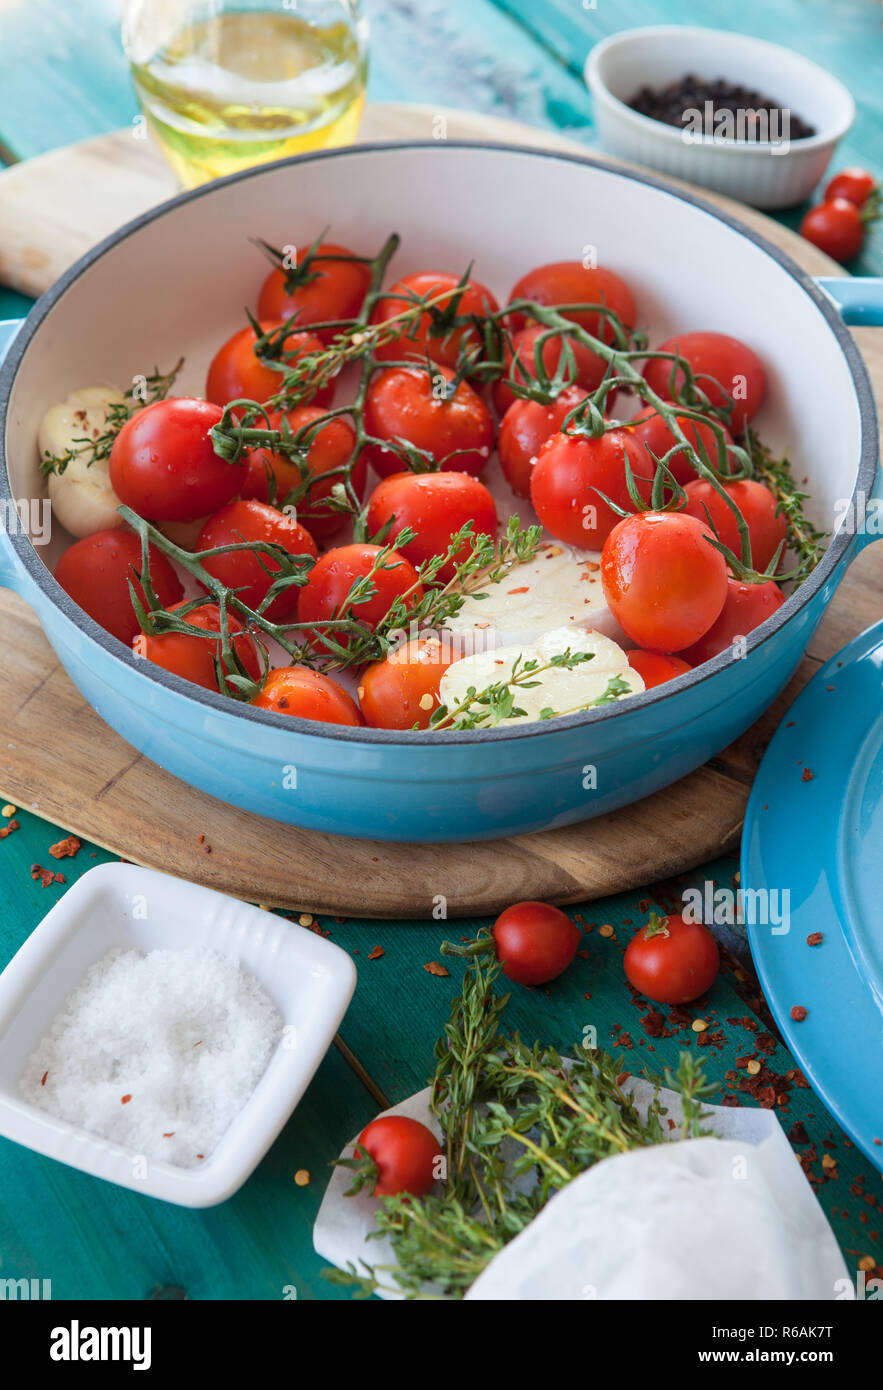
[(744, 117)]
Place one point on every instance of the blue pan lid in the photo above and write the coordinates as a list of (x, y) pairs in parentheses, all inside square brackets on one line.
[(814, 831)]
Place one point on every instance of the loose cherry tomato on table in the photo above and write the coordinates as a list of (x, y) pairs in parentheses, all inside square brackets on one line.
[(401, 691), (252, 574), (406, 1154), (655, 435), (767, 527), (193, 658), (96, 571), (525, 428), (571, 282), (724, 368), (332, 577), (535, 942), (329, 288), (664, 582), (745, 608), (429, 338), (672, 960), (436, 506), (163, 464), (521, 364), (655, 668), (306, 694), (570, 473), (835, 227), (404, 403), (235, 373), (329, 448), (856, 185)]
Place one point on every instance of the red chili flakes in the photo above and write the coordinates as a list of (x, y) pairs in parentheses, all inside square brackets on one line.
[(434, 967), (798, 1013), (806, 775), (170, 1135), (8, 829), (45, 1074), (653, 1024), (523, 589), (797, 1133), (815, 938), (878, 1141), (623, 1078), (67, 848), (376, 953), (625, 1040), (124, 1100), (46, 876)]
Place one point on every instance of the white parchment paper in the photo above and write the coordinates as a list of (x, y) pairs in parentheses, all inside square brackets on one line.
[(714, 1218)]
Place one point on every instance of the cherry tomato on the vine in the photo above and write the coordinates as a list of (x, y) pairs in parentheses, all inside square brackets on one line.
[(589, 367), (571, 282), (325, 594), (401, 691), (745, 608), (655, 668), (406, 1154), (193, 657), (333, 287), (656, 436), (570, 473), (408, 403), (436, 506), (252, 574), (856, 185), (663, 580), (535, 942), (767, 527), (304, 694), (163, 463), (835, 227), (524, 428), (723, 367), (329, 448), (235, 373), (441, 343), (96, 570), (672, 960)]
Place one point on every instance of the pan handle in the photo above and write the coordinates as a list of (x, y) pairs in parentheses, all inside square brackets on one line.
[(858, 298), (12, 575)]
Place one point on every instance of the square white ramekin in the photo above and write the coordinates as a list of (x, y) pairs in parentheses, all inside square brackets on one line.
[(310, 980), (752, 172)]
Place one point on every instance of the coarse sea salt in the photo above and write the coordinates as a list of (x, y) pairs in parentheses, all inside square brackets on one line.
[(156, 1052)]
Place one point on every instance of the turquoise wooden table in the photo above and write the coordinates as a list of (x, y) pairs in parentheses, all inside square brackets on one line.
[(63, 78)]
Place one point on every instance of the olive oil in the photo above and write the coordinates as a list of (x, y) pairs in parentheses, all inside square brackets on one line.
[(246, 88)]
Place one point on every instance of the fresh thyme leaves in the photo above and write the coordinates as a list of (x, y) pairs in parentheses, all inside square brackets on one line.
[(143, 392), (507, 1110), (482, 709), (807, 543)]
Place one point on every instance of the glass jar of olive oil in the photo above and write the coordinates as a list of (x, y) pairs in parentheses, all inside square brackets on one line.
[(226, 85)]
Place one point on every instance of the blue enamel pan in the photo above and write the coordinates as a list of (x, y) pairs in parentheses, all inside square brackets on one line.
[(176, 281)]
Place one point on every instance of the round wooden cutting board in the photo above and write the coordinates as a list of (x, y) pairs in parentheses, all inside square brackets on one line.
[(60, 760)]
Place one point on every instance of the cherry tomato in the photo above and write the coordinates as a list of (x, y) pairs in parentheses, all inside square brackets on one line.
[(96, 572), (193, 657), (306, 694), (401, 691), (663, 580), (535, 942), (404, 403), (569, 474), (405, 1151), (735, 371), (443, 344), (835, 227), (672, 960), (250, 574), (855, 185), (163, 464), (332, 577), (570, 282), (589, 367), (333, 289), (655, 668), (436, 506), (656, 436), (766, 527), (329, 448), (236, 373), (745, 608), (524, 428)]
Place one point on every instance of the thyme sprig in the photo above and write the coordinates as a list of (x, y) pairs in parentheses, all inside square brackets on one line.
[(143, 392), (507, 1111), (804, 539)]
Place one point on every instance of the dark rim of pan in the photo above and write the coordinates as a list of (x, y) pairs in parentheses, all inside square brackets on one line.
[(220, 704)]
